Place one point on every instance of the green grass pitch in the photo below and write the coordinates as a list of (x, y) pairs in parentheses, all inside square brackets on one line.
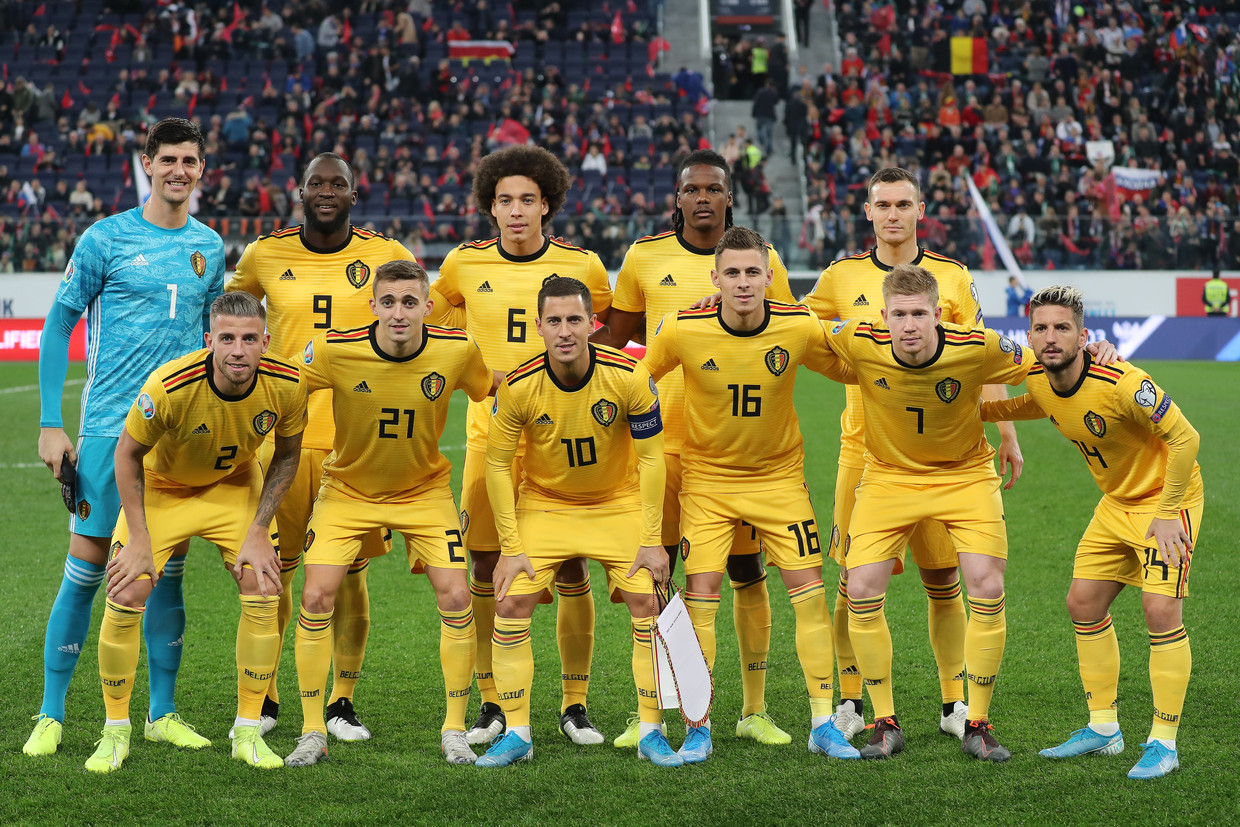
[(399, 777)]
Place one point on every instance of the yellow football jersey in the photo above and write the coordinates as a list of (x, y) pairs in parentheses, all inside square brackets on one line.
[(199, 435), (579, 441), (1133, 437), (926, 419), (310, 290), (852, 288), (662, 274), (742, 428), (390, 412), (499, 293)]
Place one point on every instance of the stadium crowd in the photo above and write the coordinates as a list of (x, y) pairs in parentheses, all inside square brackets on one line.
[(1156, 82), (382, 83)]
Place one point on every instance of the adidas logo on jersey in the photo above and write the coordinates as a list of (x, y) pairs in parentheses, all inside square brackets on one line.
[(668, 281), (485, 287), (544, 420), (709, 364), (361, 387), (202, 429), (70, 649), (140, 261), (882, 383), (861, 301), (287, 275)]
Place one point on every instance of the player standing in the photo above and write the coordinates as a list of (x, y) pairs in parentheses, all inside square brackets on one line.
[(186, 467), (146, 279), (1141, 451), (926, 458), (851, 288), (661, 274), (316, 277), (495, 284), (743, 459), (391, 382), (590, 418)]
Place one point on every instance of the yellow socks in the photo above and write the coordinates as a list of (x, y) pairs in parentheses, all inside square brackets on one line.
[(1097, 653), (513, 658), (1171, 661), (751, 614), (809, 602), (850, 673), (457, 646), (258, 645), (482, 594), (702, 610), (867, 626), (574, 632), (648, 709), (350, 628), (120, 638), (947, 622), (983, 652), (314, 652)]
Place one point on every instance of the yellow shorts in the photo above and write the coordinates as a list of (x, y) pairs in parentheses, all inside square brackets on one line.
[(477, 519), (887, 513), (293, 515), (931, 546), (783, 520), (745, 541), (432, 534), (221, 513), (608, 534), (1114, 548)]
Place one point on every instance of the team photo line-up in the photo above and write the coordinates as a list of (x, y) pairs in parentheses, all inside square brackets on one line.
[(291, 414)]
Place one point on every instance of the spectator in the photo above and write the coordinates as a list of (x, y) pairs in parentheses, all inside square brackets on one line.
[(1018, 296), (763, 112)]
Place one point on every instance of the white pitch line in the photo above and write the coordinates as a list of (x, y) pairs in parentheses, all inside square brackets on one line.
[(24, 388), (7, 465)]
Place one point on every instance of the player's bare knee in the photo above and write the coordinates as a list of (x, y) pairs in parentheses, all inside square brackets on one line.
[(317, 598), (572, 571), (705, 583), (93, 550), (516, 606), (745, 568), (1162, 612), (939, 577), (1088, 600), (134, 595), (482, 565), (454, 598)]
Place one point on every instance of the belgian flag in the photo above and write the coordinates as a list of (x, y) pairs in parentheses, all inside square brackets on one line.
[(970, 56)]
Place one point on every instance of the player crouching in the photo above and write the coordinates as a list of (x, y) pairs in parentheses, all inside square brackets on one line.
[(590, 486), (185, 467), (391, 383)]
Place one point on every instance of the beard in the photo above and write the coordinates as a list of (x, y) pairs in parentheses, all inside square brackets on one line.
[(314, 223)]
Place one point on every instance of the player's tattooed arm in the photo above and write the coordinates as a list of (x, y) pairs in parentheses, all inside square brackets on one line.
[(257, 551), (284, 461)]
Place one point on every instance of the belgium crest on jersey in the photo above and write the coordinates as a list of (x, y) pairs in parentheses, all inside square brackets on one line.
[(684, 548), (777, 360), (309, 540), (1096, 424), (264, 422), (433, 385), (83, 510), (948, 389), (199, 262), (357, 273), (605, 412)]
